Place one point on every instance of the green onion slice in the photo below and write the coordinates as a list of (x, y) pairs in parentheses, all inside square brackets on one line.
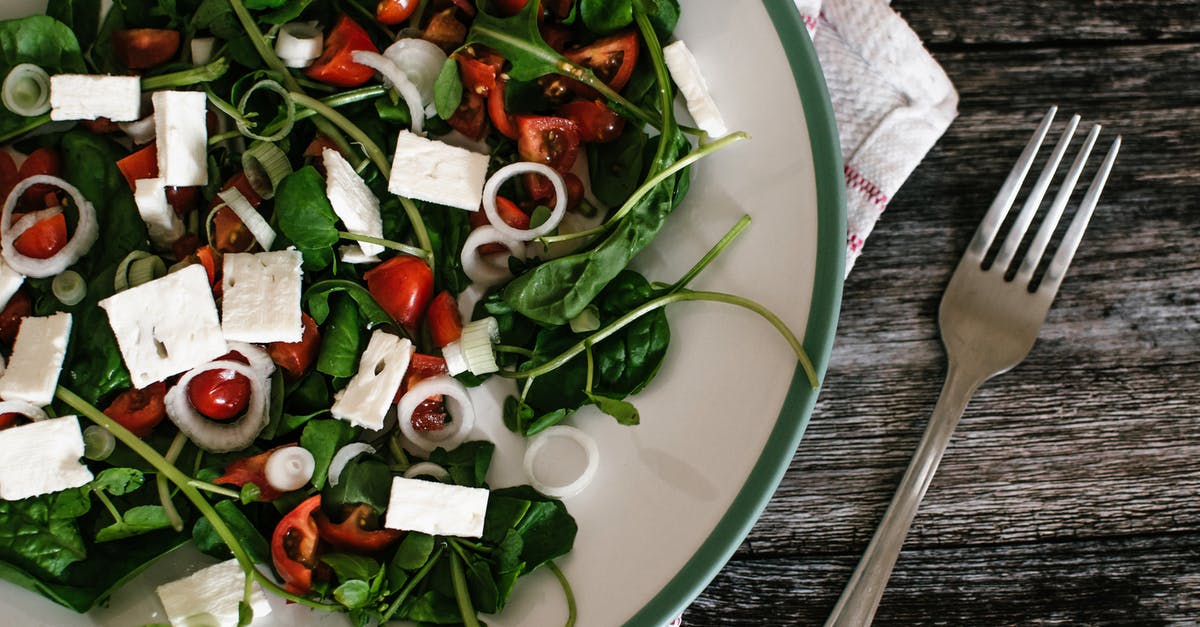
[(265, 166), (69, 287), (289, 111), (26, 90)]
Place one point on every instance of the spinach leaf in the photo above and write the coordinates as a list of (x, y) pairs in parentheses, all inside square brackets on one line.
[(616, 167), (448, 230), (519, 40), (606, 16), (547, 531), (135, 521), (323, 438), (256, 5), (81, 16), (40, 535), (467, 464), (413, 551), (365, 479), (340, 339), (41, 40), (118, 481), (207, 540), (316, 300), (354, 594), (306, 218), (348, 567), (448, 89), (90, 164), (663, 14)]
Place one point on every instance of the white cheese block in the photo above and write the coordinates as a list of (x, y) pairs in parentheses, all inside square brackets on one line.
[(10, 282), (210, 597), (366, 399), (41, 457), (429, 170), (36, 360), (181, 134), (436, 508), (354, 204), (261, 297), (166, 326), (89, 96), (162, 223), (686, 73)]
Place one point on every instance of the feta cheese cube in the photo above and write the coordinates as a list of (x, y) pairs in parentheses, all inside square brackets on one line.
[(41, 457), (10, 282), (261, 297), (686, 73), (436, 508), (181, 134), (366, 399), (429, 170), (87, 97), (354, 204), (36, 360), (166, 326), (210, 597), (162, 223)]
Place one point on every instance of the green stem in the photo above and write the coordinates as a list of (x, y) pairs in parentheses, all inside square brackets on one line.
[(112, 509), (566, 586), (591, 367), (387, 243), (164, 487), (215, 489), (461, 593), (649, 185), (711, 254), (397, 452), (204, 74), (411, 585), (146, 452), (516, 350), (663, 84), (663, 301)]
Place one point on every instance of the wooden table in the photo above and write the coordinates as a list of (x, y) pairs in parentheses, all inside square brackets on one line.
[(1070, 491)]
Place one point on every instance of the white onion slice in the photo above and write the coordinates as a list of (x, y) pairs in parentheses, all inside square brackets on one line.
[(492, 187), (86, 231), (590, 450), (26, 90), (343, 457), (29, 410), (398, 80), (260, 360), (255, 223), (141, 131), (426, 469), (451, 435), (290, 468), (421, 61), (220, 437), (484, 271), (299, 44)]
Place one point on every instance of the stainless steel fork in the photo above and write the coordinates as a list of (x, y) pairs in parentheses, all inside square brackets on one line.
[(988, 324)]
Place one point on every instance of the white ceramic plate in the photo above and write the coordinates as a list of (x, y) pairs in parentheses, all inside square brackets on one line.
[(674, 496)]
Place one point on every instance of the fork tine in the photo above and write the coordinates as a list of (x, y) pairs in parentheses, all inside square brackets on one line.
[(1008, 192), (1066, 250), (1038, 246), (1034, 200)]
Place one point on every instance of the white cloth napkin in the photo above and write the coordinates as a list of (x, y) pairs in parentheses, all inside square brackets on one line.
[(892, 102)]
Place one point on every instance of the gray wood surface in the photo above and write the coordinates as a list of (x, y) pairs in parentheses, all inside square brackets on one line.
[(1069, 494)]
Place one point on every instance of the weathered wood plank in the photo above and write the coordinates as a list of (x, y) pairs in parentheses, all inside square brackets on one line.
[(951, 24)]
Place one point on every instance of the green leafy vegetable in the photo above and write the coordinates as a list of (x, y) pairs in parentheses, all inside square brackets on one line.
[(208, 541), (40, 535), (316, 300), (306, 218), (340, 339), (365, 479), (606, 16), (448, 89), (135, 521), (43, 41), (323, 438)]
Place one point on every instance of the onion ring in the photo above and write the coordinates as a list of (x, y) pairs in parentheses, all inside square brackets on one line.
[(399, 81), (479, 269), (87, 231), (343, 457), (457, 431), (421, 61), (220, 437), (590, 450), (289, 468), (492, 188), (426, 469)]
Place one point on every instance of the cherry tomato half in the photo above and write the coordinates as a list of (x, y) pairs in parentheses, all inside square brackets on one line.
[(336, 64), (470, 118), (18, 308), (44, 239), (430, 414), (597, 123), (541, 190), (392, 12), (40, 161), (359, 532), (140, 164), (611, 58), (501, 120), (221, 394), (294, 546), (548, 140), (402, 286), (512, 216), (144, 48), (139, 410), (296, 357), (443, 319)]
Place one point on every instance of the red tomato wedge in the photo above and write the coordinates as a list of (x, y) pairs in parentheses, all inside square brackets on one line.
[(294, 546), (144, 48), (597, 123), (359, 532), (336, 65), (402, 286), (392, 12), (548, 140), (44, 239), (443, 319), (139, 410), (611, 58), (296, 357)]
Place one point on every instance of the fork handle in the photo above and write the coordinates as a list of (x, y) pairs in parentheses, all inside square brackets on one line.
[(860, 598)]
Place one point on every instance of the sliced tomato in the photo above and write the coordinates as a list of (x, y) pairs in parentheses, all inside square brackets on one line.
[(243, 185), (9, 174), (252, 469), (597, 123), (501, 120), (611, 58), (221, 394), (141, 164), (359, 531), (44, 239), (392, 12), (139, 410), (17, 309), (296, 357), (230, 234), (40, 161), (557, 36), (509, 212), (548, 140), (294, 546), (207, 257), (430, 414), (144, 48), (443, 319), (541, 190), (402, 286), (336, 64), (445, 30), (477, 75), (470, 118)]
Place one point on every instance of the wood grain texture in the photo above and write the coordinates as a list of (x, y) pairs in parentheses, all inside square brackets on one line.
[(1069, 494)]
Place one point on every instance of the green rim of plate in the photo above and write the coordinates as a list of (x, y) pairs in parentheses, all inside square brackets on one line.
[(777, 454)]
